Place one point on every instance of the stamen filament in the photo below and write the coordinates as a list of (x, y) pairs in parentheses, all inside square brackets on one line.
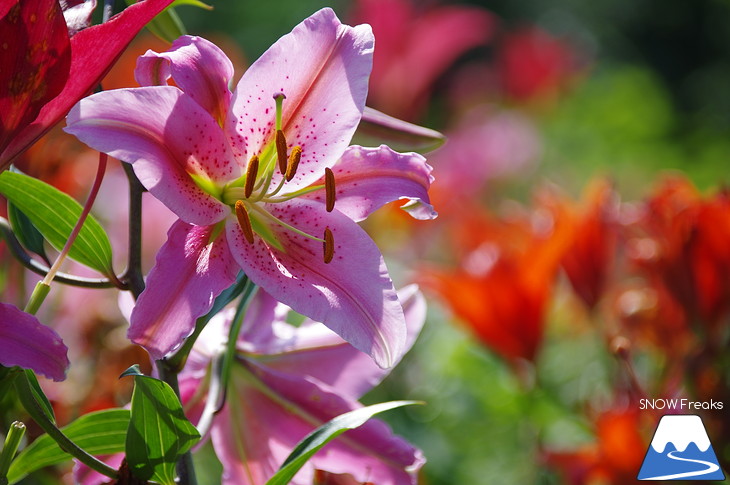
[(279, 99), (330, 192), (284, 224), (244, 221), (294, 157), (328, 246), (251, 174)]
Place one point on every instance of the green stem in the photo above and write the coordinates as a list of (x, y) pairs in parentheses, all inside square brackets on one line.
[(36, 411), (12, 442)]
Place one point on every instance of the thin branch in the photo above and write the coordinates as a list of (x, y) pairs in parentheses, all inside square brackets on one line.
[(42, 269), (133, 275)]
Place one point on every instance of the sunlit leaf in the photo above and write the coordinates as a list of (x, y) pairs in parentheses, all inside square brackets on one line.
[(315, 440), (159, 433), (55, 214), (98, 433)]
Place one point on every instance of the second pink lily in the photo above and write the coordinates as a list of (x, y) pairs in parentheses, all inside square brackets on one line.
[(263, 180)]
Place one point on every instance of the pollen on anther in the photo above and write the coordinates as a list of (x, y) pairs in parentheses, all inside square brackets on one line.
[(328, 245), (251, 173), (244, 221), (294, 157), (281, 150), (330, 189)]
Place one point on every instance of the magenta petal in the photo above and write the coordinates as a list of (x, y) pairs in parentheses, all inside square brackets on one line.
[(28, 343), (197, 66), (256, 431), (314, 350), (367, 178), (188, 274), (166, 136), (353, 294), (322, 67)]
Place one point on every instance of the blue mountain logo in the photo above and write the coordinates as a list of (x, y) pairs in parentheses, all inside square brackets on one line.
[(680, 450)]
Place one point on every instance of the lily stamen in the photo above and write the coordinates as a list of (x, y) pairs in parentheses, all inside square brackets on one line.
[(330, 193), (328, 246), (244, 221), (251, 173), (293, 164), (281, 151)]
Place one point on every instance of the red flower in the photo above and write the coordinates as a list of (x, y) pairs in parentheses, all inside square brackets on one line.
[(49, 72)]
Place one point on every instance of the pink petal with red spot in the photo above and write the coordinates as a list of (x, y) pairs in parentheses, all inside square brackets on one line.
[(197, 66), (28, 343), (322, 67), (166, 136), (368, 178), (353, 294), (189, 273)]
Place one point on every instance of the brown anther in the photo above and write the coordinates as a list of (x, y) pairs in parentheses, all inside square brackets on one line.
[(281, 150), (294, 157), (328, 245), (329, 186), (244, 221), (251, 172)]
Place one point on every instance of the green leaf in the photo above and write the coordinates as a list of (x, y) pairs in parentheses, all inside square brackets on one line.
[(39, 395), (55, 214), (159, 433), (167, 24), (99, 433), (315, 440), (27, 234)]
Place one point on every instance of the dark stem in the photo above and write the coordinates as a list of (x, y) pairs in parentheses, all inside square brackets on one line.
[(133, 275), (6, 232)]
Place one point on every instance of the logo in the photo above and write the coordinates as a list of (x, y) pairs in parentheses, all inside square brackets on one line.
[(680, 450)]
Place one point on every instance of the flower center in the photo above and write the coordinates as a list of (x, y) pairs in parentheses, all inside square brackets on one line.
[(247, 195)]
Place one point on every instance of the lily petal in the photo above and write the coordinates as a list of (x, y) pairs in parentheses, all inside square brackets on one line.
[(353, 294), (322, 67), (197, 66), (368, 178), (255, 433), (166, 136), (314, 350), (189, 273), (28, 343)]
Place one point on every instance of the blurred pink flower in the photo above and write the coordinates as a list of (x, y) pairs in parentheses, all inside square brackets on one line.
[(416, 47), (211, 156), (485, 145), (289, 380), (28, 343)]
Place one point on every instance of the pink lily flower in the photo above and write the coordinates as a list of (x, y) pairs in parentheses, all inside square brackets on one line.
[(28, 343), (50, 65), (251, 175), (286, 382)]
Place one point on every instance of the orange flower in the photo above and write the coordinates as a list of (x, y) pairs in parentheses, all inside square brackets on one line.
[(502, 289), (592, 250)]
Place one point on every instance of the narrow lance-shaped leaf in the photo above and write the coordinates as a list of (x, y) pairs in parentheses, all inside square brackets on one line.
[(54, 214), (159, 433), (98, 433), (315, 440), (167, 25)]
